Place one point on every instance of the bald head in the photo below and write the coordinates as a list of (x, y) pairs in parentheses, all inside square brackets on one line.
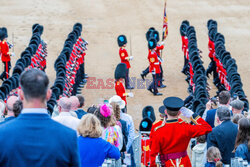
[(74, 102), (10, 102), (64, 104)]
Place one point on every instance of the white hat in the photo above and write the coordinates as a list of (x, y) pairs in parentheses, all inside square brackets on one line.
[(118, 100)]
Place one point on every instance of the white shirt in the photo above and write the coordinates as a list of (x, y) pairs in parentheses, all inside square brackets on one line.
[(68, 120), (34, 111)]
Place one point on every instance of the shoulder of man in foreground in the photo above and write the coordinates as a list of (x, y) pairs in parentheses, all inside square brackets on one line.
[(12, 125)]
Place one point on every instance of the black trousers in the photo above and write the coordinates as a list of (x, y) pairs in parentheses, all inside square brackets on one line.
[(4, 73), (78, 80), (127, 78), (146, 71), (185, 66), (82, 71), (160, 76), (154, 84)]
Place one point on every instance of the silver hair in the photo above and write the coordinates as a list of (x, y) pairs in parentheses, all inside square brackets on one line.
[(223, 113), (237, 104)]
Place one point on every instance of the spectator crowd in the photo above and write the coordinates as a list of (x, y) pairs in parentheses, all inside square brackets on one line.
[(29, 136)]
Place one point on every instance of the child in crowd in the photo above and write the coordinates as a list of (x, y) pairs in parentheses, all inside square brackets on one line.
[(109, 133), (199, 152), (213, 157)]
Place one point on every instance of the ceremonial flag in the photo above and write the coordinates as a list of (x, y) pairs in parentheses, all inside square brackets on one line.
[(165, 22)]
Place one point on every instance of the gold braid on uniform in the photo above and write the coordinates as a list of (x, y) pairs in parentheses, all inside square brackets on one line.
[(163, 124), (176, 162), (172, 162), (194, 118)]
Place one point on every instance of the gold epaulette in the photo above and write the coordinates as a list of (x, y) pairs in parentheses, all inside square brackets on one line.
[(183, 121), (156, 122), (162, 125)]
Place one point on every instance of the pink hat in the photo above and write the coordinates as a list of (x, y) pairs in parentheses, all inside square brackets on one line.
[(105, 111)]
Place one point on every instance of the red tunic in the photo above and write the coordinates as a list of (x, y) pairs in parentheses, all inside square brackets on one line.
[(4, 49), (184, 45), (152, 135), (211, 48), (154, 64), (191, 74), (81, 59), (43, 63), (174, 137), (158, 49), (120, 90), (123, 55), (145, 155)]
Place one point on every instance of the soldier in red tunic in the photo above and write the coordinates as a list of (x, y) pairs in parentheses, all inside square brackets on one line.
[(170, 139), (158, 50), (120, 74), (183, 31), (5, 54), (154, 66), (152, 33), (122, 42)]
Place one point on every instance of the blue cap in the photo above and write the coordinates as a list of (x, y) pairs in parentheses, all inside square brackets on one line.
[(162, 110), (173, 103)]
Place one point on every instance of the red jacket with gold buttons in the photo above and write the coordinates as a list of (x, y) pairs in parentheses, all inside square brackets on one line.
[(4, 49), (173, 136), (123, 55)]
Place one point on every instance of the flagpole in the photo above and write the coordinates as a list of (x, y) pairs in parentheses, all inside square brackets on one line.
[(164, 12), (163, 32), (130, 47)]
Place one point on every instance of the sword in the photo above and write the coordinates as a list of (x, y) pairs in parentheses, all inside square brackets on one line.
[(13, 42), (130, 45)]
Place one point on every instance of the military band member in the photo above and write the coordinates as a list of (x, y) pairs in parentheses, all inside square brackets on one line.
[(183, 32), (120, 74), (170, 139), (152, 33), (5, 54), (154, 66), (122, 43), (158, 49)]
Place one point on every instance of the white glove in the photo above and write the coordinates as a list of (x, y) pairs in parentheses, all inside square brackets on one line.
[(12, 54), (186, 112), (153, 72), (162, 43), (130, 94), (131, 58)]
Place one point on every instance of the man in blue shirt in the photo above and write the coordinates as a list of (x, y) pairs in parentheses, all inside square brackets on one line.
[(34, 139), (80, 112), (223, 136), (224, 100)]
